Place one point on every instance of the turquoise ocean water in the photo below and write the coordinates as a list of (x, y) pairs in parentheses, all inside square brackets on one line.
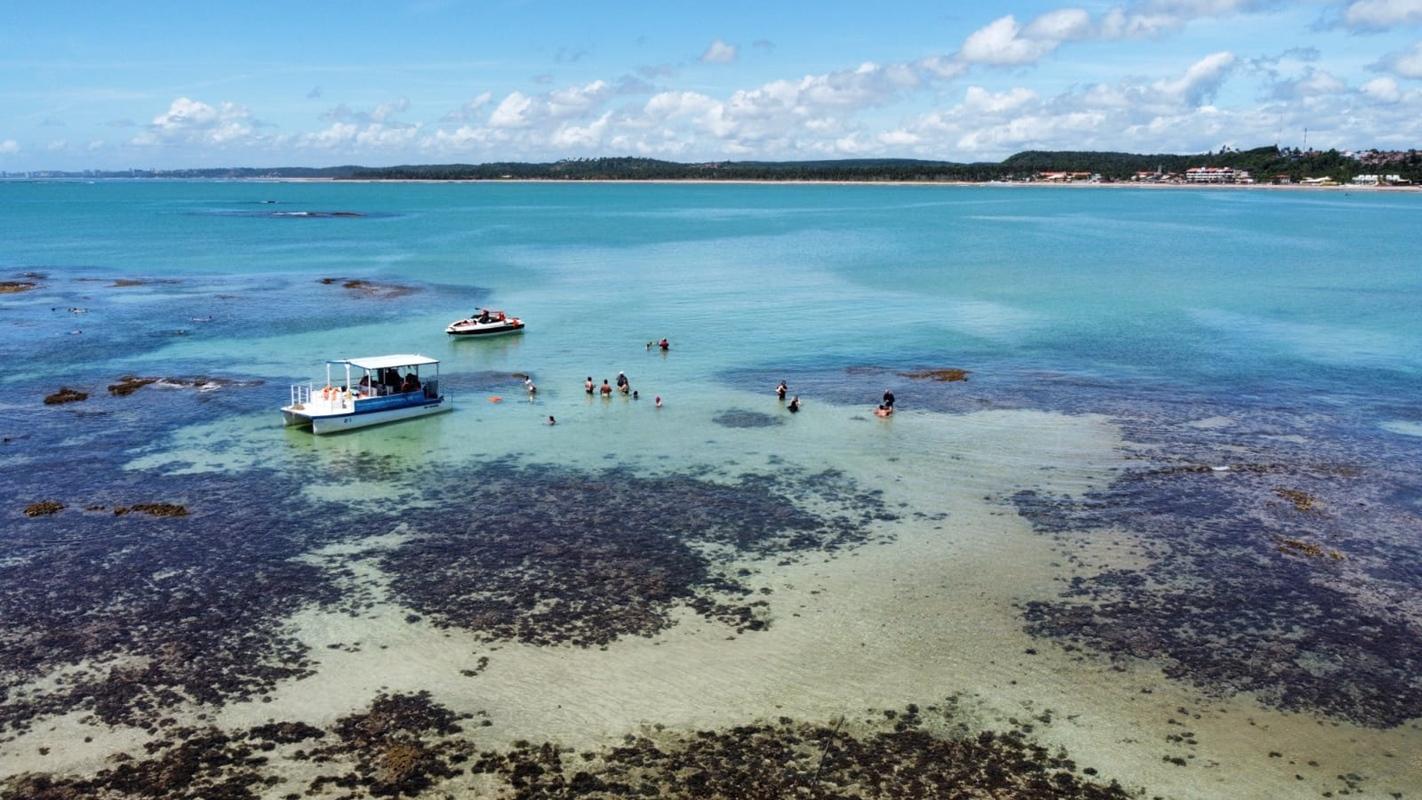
[(1179, 486)]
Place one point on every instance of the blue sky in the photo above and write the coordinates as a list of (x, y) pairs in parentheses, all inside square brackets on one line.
[(159, 84)]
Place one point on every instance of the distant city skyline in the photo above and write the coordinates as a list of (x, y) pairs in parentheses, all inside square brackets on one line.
[(166, 85)]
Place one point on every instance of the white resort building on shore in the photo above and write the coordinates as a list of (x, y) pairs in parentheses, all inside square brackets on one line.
[(1217, 175), (1379, 180)]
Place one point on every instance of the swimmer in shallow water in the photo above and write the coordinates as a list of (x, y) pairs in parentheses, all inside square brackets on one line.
[(781, 391), (606, 389), (794, 406), (622, 384), (659, 401), (552, 421), (588, 385)]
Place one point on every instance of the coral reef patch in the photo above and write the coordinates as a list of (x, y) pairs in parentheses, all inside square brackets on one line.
[(359, 287), (547, 555)]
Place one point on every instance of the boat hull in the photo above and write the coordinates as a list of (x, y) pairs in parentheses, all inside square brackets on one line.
[(322, 424), (484, 332)]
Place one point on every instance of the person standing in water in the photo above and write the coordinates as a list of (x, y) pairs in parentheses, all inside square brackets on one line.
[(622, 385), (889, 399), (794, 404), (664, 344), (606, 388), (659, 401), (588, 385), (781, 390)]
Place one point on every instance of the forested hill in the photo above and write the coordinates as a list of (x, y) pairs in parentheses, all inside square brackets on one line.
[(878, 169), (1264, 163)]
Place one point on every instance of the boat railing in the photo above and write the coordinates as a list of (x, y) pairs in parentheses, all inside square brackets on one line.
[(300, 394)]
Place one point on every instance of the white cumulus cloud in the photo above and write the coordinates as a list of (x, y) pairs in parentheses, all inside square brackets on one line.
[(1404, 64), (194, 121), (1384, 90), (1382, 14), (9, 147), (719, 52)]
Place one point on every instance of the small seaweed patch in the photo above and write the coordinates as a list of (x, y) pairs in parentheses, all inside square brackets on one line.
[(1301, 500), (400, 746), (744, 418), (15, 287), (65, 395), (1308, 549), (549, 556)]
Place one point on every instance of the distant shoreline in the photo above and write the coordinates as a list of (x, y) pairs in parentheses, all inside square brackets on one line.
[(798, 182), (743, 182)]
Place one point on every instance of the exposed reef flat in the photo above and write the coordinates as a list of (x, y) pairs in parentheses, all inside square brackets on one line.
[(201, 574)]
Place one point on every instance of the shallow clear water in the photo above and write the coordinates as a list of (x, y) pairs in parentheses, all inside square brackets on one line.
[(1274, 335)]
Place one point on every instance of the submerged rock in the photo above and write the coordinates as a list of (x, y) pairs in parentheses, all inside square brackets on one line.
[(941, 375), (153, 510), (15, 287), (129, 384), (43, 508), (65, 395)]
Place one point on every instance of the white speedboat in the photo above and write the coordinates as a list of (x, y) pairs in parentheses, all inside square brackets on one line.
[(385, 389), (486, 323)]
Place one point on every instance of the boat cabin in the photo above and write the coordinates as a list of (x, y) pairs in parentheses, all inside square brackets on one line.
[(360, 392)]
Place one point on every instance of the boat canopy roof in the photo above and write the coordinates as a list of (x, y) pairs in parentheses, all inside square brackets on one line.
[(385, 362)]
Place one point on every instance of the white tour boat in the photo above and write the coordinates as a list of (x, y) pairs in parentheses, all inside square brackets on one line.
[(386, 389), (486, 323)]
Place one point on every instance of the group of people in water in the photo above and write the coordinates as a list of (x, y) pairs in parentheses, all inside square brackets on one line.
[(783, 389), (886, 407), (624, 387)]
